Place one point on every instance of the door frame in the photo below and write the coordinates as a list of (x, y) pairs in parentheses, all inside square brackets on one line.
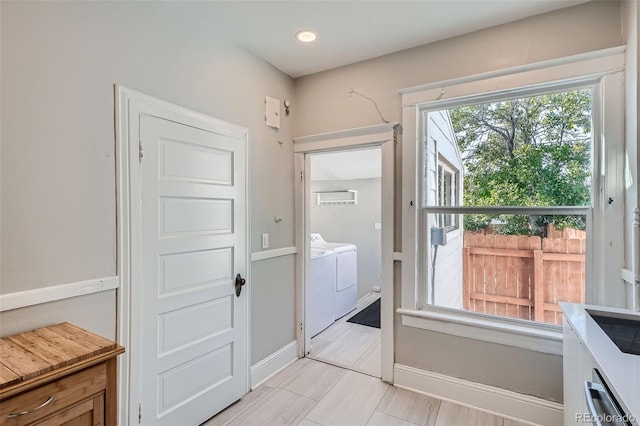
[(129, 105), (383, 136)]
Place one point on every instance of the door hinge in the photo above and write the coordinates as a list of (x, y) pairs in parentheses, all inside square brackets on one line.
[(302, 176), (301, 327), (140, 152), (139, 413)]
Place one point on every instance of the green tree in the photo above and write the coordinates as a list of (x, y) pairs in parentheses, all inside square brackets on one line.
[(532, 151)]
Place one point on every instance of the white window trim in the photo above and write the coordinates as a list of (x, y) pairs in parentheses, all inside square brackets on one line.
[(602, 68), (455, 180), (540, 337)]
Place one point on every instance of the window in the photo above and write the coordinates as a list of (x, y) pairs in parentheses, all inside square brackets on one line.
[(447, 194), (531, 154), (518, 191)]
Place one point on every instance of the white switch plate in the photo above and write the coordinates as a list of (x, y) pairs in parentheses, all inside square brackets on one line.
[(265, 241), (272, 112), (377, 226)]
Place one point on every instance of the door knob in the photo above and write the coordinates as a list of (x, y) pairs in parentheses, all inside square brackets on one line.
[(239, 283)]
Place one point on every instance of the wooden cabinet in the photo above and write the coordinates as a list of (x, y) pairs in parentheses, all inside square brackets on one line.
[(58, 375)]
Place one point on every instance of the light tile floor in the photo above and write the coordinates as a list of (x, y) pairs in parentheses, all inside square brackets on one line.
[(353, 346), (312, 393)]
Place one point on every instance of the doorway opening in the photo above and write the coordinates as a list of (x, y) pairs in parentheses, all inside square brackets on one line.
[(344, 270), (383, 137)]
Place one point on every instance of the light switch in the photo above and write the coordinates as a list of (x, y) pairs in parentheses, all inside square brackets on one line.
[(377, 226), (265, 241)]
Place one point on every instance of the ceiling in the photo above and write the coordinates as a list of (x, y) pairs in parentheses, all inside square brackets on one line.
[(352, 31)]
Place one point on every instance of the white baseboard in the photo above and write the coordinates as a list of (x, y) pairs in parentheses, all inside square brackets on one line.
[(501, 402), (272, 364)]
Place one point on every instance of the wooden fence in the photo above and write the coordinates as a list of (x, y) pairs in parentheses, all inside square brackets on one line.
[(523, 277)]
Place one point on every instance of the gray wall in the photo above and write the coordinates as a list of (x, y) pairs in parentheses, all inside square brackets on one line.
[(348, 223), (324, 106), (60, 61), (273, 306)]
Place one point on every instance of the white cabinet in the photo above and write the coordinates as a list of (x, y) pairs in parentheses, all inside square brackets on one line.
[(586, 346), (578, 367)]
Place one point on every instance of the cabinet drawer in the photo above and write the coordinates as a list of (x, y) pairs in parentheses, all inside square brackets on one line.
[(60, 394)]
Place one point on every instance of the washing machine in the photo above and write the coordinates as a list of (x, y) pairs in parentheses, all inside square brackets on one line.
[(320, 297), (346, 291)]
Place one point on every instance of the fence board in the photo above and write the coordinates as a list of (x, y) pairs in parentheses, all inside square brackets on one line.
[(498, 298), (574, 245), (524, 277), (490, 274), (500, 243), (564, 257), (538, 286), (467, 275), (501, 252), (478, 284), (511, 290)]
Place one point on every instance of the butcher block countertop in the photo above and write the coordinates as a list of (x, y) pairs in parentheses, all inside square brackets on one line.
[(36, 356)]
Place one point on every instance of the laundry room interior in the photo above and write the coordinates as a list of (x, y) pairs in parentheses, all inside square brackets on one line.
[(345, 225)]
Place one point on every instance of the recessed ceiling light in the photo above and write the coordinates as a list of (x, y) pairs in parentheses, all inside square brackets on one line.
[(306, 36)]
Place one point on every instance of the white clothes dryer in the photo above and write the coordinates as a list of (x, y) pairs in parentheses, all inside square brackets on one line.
[(320, 297), (346, 273)]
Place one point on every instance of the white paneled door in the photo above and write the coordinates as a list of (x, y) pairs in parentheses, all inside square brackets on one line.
[(193, 355)]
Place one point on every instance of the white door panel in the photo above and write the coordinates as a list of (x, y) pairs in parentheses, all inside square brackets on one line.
[(193, 354), (197, 162), (195, 215), (184, 270)]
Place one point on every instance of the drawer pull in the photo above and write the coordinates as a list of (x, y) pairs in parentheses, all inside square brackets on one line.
[(22, 413)]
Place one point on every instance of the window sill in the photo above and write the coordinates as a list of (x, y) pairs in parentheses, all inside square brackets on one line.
[(543, 338)]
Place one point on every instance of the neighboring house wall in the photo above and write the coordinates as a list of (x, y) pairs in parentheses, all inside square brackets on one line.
[(60, 61), (324, 105), (347, 223), (441, 146)]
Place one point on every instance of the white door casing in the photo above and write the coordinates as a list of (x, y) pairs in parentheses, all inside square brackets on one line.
[(185, 330), (382, 135)]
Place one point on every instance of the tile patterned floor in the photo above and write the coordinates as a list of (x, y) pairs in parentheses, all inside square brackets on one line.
[(338, 384), (353, 346), (312, 393)]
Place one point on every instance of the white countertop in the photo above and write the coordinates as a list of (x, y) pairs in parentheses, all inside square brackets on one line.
[(620, 370)]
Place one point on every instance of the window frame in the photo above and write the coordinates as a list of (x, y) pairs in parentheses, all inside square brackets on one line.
[(603, 71), (446, 167)]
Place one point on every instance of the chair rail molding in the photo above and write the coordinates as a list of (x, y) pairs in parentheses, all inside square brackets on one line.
[(270, 254), (22, 299)]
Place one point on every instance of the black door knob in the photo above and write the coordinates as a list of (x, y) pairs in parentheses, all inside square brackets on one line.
[(239, 283)]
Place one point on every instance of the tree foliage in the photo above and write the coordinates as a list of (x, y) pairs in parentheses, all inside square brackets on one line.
[(532, 151)]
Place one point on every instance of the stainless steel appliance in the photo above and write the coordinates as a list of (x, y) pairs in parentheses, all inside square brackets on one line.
[(604, 409)]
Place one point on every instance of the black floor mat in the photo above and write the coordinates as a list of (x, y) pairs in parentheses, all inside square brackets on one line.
[(369, 316)]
